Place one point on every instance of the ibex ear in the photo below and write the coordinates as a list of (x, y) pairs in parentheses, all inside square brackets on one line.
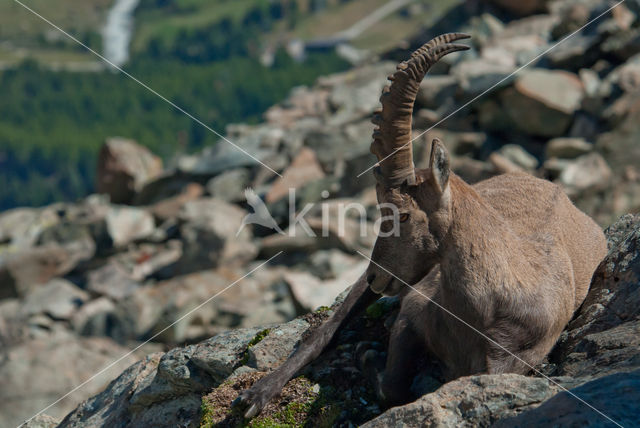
[(439, 164)]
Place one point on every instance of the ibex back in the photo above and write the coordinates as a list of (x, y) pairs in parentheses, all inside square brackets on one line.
[(509, 259)]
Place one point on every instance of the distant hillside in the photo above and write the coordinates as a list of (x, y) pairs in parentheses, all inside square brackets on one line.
[(203, 55)]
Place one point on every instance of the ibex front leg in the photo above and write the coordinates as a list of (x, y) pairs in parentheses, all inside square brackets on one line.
[(255, 398)]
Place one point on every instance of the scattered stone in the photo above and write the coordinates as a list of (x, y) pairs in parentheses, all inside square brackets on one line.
[(111, 280), (94, 318), (474, 400), (22, 272), (310, 293), (519, 156), (213, 234), (58, 298), (542, 102), (123, 169), (303, 170), (586, 172), (503, 165), (168, 209), (41, 421), (37, 373), (128, 224), (523, 7), (564, 409), (229, 186), (567, 148)]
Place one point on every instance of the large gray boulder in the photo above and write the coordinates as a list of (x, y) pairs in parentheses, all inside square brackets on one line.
[(38, 372)]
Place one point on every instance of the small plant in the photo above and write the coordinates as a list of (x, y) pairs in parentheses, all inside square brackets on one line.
[(256, 339)]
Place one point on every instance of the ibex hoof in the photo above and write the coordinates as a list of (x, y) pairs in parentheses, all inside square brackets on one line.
[(251, 412)]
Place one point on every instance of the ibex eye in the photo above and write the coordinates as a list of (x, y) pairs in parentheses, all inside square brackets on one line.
[(404, 217)]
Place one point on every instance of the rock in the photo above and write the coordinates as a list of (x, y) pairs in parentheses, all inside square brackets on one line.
[(21, 227), (519, 156), (229, 186), (310, 293), (571, 19), (58, 298), (38, 372), (212, 235), (587, 172), (41, 421), (276, 346), (128, 224), (471, 170), (169, 208), (503, 165), (567, 148), (620, 146), (576, 52), (542, 102), (470, 401), (94, 318), (123, 169), (521, 7), (477, 76), (218, 356), (603, 336), (112, 406), (241, 150), (112, 281), (165, 390), (151, 310), (303, 169), (613, 397), (436, 91), (329, 264), (123, 273), (26, 270), (355, 96), (301, 103)]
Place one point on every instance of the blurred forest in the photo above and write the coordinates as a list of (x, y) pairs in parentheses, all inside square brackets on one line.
[(203, 56)]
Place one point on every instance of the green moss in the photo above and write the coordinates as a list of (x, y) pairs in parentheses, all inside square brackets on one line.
[(375, 310), (382, 307), (256, 339), (301, 407), (207, 414), (323, 309)]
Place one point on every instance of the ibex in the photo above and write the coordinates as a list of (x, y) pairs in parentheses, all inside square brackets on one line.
[(510, 259)]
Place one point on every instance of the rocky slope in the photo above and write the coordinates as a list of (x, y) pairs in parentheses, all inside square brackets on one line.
[(92, 280), (596, 359)]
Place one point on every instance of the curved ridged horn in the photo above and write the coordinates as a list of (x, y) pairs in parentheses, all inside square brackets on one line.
[(392, 136)]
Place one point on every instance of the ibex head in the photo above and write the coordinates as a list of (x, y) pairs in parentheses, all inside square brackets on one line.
[(422, 197)]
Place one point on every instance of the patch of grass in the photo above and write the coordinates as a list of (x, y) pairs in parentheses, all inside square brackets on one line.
[(257, 339), (301, 404)]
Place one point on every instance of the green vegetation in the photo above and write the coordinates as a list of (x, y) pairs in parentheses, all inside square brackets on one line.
[(257, 339), (200, 54), (301, 405), (52, 123), (381, 307)]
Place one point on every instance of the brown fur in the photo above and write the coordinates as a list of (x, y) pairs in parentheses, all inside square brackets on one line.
[(511, 257), (515, 261)]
